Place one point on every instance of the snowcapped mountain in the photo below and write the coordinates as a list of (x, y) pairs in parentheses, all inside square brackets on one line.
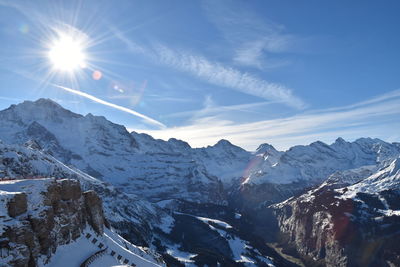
[(315, 162), (108, 152), (158, 170), (68, 135), (157, 192), (223, 160), (275, 176)]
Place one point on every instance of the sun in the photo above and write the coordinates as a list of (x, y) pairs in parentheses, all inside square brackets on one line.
[(66, 53)]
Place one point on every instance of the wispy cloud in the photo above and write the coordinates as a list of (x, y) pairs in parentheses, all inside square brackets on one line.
[(252, 54), (213, 109), (214, 73), (381, 98), (250, 35), (377, 117), (220, 75), (124, 109), (163, 98), (158, 98)]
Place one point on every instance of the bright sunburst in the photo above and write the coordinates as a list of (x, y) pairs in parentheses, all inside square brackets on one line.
[(67, 53)]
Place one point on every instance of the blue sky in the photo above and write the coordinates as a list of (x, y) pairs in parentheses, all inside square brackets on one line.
[(252, 72)]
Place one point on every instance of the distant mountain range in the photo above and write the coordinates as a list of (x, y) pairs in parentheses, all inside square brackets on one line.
[(157, 192)]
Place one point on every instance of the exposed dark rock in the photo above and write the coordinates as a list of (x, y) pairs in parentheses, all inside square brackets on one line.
[(94, 209), (249, 197), (17, 205), (70, 190)]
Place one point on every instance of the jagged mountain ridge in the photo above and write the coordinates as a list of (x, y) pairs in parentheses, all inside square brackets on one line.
[(315, 162), (280, 175)]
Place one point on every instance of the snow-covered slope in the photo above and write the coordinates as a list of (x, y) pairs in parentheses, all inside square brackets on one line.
[(87, 245), (386, 178)]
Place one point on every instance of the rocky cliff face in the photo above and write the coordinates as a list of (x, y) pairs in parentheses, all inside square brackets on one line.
[(40, 215), (346, 223)]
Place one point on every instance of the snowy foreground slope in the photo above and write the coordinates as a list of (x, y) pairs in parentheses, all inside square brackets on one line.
[(81, 249), (48, 222)]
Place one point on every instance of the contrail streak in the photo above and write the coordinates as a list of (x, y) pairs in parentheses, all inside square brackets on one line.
[(100, 101)]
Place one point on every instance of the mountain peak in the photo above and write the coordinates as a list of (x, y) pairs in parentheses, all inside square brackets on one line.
[(318, 144), (340, 140), (47, 102), (42, 103), (340, 143), (226, 145), (179, 143), (223, 143), (263, 148), (43, 107), (100, 119)]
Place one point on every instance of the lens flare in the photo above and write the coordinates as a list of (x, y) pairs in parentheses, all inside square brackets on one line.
[(96, 75)]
